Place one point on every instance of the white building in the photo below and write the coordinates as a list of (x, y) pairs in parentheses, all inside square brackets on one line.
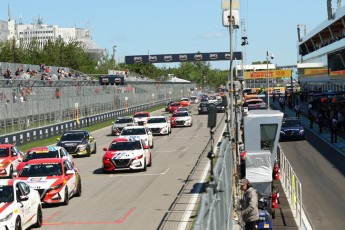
[(42, 33)]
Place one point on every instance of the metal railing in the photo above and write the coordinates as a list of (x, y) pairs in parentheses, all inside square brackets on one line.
[(216, 207)]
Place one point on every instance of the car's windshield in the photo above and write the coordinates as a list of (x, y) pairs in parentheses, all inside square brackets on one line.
[(73, 136), (184, 99), (141, 115), (6, 193), (203, 105), (3, 152), (291, 123), (182, 114), (135, 131), (38, 170), (36, 154), (130, 145), (156, 120), (175, 104), (123, 120)]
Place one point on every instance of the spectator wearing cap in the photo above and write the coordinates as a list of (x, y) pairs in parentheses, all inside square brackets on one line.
[(249, 205)]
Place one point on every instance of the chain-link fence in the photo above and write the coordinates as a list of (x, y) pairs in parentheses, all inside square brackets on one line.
[(27, 104)]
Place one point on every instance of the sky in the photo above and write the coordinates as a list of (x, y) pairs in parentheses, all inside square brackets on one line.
[(138, 27)]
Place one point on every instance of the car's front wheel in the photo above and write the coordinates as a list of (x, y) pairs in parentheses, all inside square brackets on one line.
[(18, 224), (39, 220), (66, 201), (79, 189)]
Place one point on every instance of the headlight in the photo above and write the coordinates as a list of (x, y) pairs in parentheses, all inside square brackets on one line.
[(56, 186), (9, 216), (301, 131), (82, 147), (281, 132), (5, 164)]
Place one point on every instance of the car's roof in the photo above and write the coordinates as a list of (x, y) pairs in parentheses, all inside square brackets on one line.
[(157, 117), (6, 145), (134, 127), (125, 117), (76, 131), (46, 160), (44, 148), (142, 112), (120, 139)]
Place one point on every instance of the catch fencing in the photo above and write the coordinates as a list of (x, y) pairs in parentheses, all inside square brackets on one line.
[(216, 207), (29, 104)]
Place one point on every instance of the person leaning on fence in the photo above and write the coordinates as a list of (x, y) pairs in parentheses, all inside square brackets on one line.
[(249, 205)]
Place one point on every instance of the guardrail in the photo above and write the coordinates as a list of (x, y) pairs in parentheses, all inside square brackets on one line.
[(293, 190)]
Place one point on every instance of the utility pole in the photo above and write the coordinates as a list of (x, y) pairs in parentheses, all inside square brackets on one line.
[(114, 50)]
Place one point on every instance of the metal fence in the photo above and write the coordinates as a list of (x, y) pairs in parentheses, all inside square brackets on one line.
[(27, 104), (216, 207), (292, 188)]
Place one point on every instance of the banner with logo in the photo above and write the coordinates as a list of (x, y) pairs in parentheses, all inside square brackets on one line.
[(166, 58)]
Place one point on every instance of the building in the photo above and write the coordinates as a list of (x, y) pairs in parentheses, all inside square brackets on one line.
[(321, 54), (24, 34)]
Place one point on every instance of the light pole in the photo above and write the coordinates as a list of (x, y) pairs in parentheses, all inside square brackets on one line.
[(114, 50), (268, 55)]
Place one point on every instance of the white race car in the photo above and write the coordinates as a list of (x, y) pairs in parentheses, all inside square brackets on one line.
[(181, 119), (138, 132), (20, 205), (159, 125), (126, 154)]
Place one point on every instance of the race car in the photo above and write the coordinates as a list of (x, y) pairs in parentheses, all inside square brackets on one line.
[(141, 117), (185, 102), (56, 179), (45, 152), (174, 106), (20, 205), (10, 156), (78, 142), (138, 132), (119, 123), (159, 125), (181, 119), (126, 154)]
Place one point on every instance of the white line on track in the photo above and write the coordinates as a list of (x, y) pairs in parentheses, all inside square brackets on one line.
[(190, 207)]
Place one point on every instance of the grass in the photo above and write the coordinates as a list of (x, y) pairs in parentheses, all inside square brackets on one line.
[(53, 139)]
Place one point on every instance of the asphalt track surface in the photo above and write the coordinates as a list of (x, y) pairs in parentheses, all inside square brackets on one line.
[(132, 200), (320, 166)]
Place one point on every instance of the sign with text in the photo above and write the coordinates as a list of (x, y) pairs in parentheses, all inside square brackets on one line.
[(190, 57), (269, 74)]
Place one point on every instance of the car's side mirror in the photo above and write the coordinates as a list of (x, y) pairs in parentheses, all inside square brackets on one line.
[(105, 149), (23, 198), (146, 147), (58, 139), (69, 172)]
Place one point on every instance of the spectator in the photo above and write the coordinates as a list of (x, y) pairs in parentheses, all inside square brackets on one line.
[(320, 120), (297, 110), (249, 205), (341, 121), (334, 131), (311, 117), (243, 165)]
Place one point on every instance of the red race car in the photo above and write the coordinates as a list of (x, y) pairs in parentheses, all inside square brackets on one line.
[(55, 179), (173, 106), (141, 117), (127, 154), (10, 156)]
